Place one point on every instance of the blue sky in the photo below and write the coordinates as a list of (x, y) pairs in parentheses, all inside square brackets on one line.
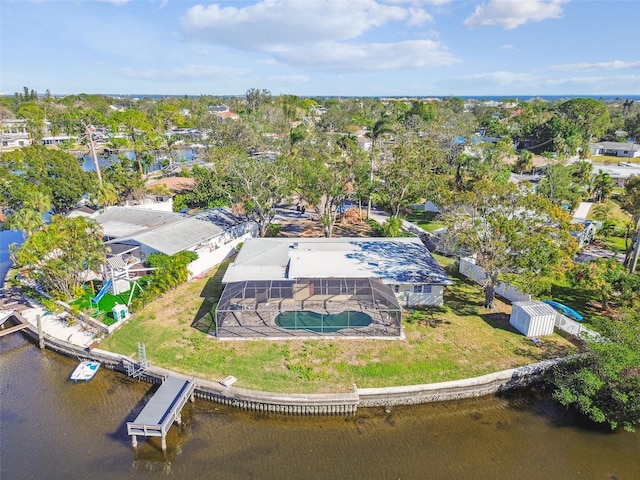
[(321, 47)]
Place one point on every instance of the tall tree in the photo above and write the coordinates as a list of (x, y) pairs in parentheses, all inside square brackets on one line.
[(57, 255), (604, 382), (508, 231), (631, 204), (602, 186), (140, 131)]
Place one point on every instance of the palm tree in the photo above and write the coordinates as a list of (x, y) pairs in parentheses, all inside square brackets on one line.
[(25, 219), (88, 134), (381, 128), (602, 186)]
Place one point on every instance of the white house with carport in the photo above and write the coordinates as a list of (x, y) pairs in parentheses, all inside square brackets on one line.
[(272, 277), (212, 234)]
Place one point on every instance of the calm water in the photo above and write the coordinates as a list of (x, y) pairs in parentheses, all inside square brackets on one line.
[(104, 161), (52, 428)]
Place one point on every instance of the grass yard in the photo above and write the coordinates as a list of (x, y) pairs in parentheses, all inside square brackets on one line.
[(105, 305), (458, 341), (425, 220)]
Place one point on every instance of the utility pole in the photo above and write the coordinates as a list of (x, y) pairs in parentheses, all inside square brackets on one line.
[(636, 252)]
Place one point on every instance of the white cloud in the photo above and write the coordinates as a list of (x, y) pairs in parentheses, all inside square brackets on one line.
[(193, 71), (418, 16), (269, 61), (620, 84), (510, 14), (500, 78), (614, 65), (290, 78), (116, 2), (507, 47), (280, 22), (336, 56), (317, 34), (421, 2)]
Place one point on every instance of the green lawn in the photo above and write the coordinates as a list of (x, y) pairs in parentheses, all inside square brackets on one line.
[(105, 305), (425, 220), (459, 341)]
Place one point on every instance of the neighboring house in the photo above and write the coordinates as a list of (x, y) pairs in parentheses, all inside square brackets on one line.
[(212, 234), (587, 234), (617, 149), (222, 111), (14, 133), (83, 211), (620, 173), (365, 142), (57, 139)]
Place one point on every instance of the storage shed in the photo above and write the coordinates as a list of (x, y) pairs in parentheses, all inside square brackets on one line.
[(533, 318)]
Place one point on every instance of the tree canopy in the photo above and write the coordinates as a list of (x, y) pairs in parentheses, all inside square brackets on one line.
[(604, 382), (57, 256), (508, 231)]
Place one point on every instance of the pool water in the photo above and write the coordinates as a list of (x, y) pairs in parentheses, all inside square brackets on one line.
[(322, 323)]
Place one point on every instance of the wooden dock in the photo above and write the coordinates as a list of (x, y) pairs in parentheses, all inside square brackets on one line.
[(163, 409), (22, 324)]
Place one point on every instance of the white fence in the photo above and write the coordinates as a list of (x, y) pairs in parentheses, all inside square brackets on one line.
[(470, 270), (574, 328), (476, 273)]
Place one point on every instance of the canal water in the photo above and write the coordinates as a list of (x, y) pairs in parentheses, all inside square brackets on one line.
[(52, 428)]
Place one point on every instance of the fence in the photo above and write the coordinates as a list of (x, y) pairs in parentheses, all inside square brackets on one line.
[(470, 270)]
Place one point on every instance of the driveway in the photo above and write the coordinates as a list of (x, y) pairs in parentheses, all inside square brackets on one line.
[(592, 252)]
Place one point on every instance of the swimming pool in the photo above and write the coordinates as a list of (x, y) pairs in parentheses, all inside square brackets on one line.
[(322, 322)]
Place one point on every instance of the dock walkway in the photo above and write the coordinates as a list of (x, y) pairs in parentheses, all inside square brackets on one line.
[(163, 409)]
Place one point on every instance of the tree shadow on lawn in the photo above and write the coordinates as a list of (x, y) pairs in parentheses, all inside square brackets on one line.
[(204, 320), (574, 298), (498, 320), (464, 297)]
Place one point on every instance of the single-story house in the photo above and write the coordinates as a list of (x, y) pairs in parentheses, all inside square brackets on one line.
[(620, 173), (618, 149), (327, 277), (212, 234), (223, 112)]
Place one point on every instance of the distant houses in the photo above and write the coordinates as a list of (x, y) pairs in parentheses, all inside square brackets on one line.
[(223, 112)]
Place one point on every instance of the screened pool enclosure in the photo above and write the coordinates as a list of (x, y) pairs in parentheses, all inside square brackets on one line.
[(349, 307)]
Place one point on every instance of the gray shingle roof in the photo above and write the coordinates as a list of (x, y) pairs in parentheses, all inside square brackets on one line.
[(165, 232), (392, 260)]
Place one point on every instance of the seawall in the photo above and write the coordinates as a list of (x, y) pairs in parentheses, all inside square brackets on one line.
[(318, 404)]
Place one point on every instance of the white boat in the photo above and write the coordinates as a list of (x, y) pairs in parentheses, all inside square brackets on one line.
[(85, 370)]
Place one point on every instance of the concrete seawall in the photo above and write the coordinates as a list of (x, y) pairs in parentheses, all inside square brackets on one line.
[(318, 404)]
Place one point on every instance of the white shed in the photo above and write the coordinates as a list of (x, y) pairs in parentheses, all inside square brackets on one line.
[(533, 318)]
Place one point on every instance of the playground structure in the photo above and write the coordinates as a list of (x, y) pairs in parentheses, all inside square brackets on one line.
[(121, 273), (105, 288)]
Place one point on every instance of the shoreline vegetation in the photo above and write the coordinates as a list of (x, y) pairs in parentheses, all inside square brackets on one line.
[(459, 340)]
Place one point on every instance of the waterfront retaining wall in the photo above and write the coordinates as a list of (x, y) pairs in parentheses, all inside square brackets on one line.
[(318, 404)]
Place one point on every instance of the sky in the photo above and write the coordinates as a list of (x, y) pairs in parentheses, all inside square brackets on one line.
[(321, 47)]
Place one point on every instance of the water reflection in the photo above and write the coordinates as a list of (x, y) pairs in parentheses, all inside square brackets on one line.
[(53, 428)]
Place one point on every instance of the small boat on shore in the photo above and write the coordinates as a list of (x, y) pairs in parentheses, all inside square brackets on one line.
[(85, 371), (569, 312)]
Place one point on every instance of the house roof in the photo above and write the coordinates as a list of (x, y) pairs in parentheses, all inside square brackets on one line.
[(392, 260), (625, 146), (165, 232)]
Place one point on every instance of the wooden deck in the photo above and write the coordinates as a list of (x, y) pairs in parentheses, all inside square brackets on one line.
[(163, 409)]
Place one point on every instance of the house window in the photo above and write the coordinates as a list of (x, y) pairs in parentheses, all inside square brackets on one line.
[(422, 289), (396, 288)]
